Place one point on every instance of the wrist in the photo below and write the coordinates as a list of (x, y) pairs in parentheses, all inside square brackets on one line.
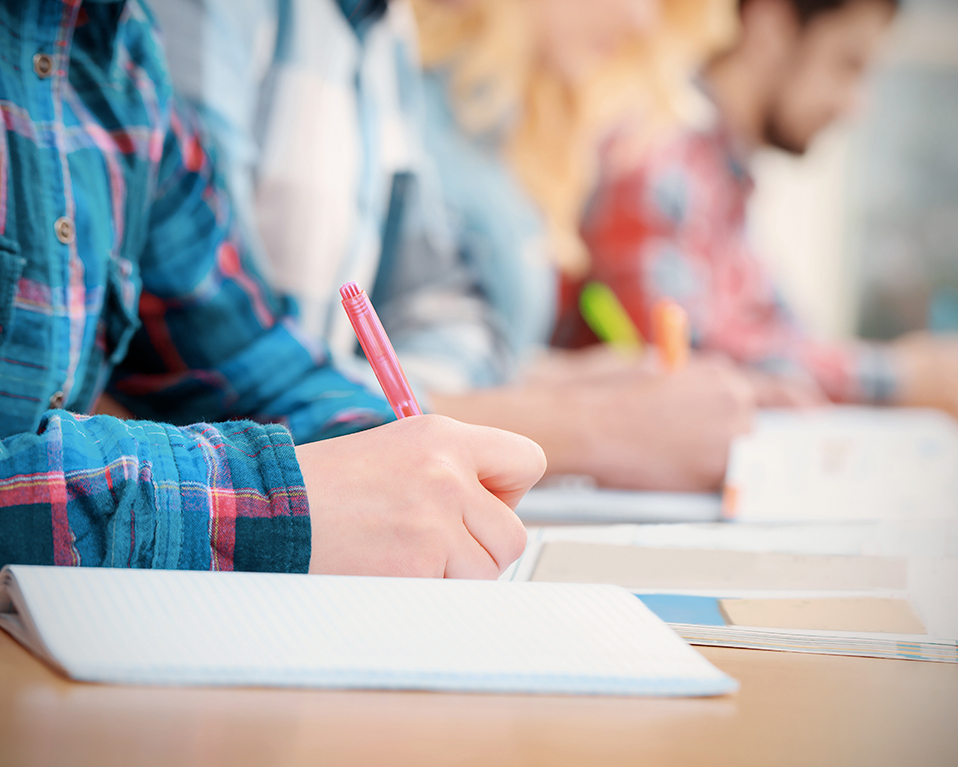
[(314, 491)]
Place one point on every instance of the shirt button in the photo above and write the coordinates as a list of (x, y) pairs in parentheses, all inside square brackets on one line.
[(64, 230), (56, 401), (43, 65)]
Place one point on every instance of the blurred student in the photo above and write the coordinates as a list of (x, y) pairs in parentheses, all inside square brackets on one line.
[(519, 98), (318, 106), (676, 226), (121, 266)]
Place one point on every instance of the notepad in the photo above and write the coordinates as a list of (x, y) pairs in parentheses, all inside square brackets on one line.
[(265, 629)]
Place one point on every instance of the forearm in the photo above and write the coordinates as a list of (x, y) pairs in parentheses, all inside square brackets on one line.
[(103, 492), (927, 368), (584, 429), (215, 341), (275, 378), (627, 430)]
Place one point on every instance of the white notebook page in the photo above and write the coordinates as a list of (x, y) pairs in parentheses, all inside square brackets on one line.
[(267, 629)]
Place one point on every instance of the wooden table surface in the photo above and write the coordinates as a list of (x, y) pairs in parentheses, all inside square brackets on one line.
[(792, 710)]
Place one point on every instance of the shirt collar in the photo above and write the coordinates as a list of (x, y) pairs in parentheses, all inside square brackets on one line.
[(108, 20)]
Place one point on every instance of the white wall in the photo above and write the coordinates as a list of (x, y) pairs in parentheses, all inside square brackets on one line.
[(800, 227)]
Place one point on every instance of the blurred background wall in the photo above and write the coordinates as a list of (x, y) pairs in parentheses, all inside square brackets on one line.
[(863, 231)]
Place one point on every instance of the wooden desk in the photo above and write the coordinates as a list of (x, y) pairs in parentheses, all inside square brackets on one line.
[(792, 710)]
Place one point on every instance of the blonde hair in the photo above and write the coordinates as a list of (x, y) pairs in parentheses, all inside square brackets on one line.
[(552, 131)]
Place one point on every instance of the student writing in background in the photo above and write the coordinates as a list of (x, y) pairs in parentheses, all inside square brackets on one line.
[(318, 106), (676, 225), (123, 267)]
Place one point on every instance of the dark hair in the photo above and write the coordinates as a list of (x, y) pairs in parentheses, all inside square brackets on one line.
[(806, 10)]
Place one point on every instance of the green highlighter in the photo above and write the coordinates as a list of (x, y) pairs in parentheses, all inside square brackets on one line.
[(607, 318)]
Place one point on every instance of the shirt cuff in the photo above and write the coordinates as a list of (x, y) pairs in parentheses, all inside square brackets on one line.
[(269, 508), (877, 374)]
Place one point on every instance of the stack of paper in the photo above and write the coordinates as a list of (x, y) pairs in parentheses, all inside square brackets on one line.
[(866, 589), (148, 627)]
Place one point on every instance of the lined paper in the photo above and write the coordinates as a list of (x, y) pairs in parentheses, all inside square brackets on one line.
[(149, 627)]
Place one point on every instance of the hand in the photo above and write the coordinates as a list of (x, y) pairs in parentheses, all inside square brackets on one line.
[(928, 367), (668, 432), (629, 430), (422, 497)]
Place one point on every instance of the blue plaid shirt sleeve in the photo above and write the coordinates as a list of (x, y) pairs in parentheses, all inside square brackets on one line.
[(121, 261), (102, 492), (216, 342)]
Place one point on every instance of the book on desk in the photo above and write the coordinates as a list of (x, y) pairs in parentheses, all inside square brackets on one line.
[(868, 588), (267, 629)]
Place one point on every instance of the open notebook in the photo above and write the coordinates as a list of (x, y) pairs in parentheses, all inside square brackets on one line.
[(875, 589), (198, 628)]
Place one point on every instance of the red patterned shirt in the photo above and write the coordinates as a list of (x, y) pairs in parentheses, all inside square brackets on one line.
[(676, 227)]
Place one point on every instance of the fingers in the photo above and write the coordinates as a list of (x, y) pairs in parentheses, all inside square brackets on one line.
[(479, 474), (506, 464), (492, 538), (737, 397), (395, 500), (469, 560), (497, 529)]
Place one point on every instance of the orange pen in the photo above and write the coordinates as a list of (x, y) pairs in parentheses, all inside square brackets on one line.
[(671, 333)]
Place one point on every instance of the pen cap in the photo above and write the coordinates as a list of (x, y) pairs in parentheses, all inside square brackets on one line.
[(379, 350), (671, 332)]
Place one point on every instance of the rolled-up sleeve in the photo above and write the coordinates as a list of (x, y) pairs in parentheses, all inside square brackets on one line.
[(98, 491)]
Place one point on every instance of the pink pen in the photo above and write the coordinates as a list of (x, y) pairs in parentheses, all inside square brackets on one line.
[(379, 351)]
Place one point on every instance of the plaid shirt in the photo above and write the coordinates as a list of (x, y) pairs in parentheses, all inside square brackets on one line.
[(317, 108), (676, 228), (121, 266)]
